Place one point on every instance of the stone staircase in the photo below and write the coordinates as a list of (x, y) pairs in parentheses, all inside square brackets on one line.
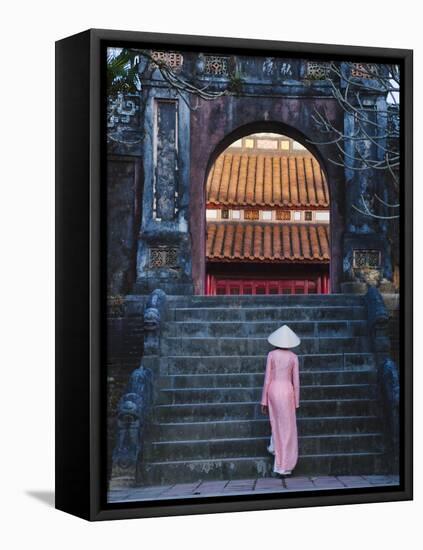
[(207, 422)]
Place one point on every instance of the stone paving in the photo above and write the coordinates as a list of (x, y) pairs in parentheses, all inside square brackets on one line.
[(239, 486)]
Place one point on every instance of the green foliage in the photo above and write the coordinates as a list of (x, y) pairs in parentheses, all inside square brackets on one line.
[(122, 73)]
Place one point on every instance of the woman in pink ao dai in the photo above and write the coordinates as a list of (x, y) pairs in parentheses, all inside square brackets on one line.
[(281, 397)]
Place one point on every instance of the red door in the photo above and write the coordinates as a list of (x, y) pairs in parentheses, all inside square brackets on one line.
[(232, 286)]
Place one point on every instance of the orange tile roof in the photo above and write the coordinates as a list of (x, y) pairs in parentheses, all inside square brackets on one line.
[(264, 180), (267, 241)]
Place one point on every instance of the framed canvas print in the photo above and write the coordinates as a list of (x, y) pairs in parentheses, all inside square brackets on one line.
[(234, 275)]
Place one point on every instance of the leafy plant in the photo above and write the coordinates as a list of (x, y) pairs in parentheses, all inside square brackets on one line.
[(122, 73)]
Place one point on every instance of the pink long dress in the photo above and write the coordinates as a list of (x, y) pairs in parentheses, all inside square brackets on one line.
[(281, 394)]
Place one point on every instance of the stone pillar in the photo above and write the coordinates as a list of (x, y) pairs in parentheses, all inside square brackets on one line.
[(164, 246), (367, 255)]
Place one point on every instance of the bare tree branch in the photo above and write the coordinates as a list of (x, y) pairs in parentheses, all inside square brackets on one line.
[(368, 212), (373, 127)]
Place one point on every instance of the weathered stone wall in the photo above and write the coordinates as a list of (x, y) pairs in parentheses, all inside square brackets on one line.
[(124, 352), (124, 191), (393, 306)]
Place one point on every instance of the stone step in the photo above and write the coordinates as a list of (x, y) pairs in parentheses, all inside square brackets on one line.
[(258, 300), (247, 394), (229, 364), (251, 410), (256, 428), (209, 425), (257, 346), (354, 463), (239, 447), (241, 380), (218, 329), (268, 313)]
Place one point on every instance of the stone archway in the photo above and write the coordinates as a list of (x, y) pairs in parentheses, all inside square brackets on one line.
[(184, 135), (224, 124)]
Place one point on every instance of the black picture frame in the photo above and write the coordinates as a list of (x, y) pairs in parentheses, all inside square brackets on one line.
[(80, 279)]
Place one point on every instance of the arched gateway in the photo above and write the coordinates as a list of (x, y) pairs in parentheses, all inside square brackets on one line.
[(171, 140), (332, 175)]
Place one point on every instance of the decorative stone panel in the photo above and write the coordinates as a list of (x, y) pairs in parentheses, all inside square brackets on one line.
[(366, 259), (173, 60), (363, 70), (163, 256), (317, 70), (216, 65), (166, 160), (123, 122)]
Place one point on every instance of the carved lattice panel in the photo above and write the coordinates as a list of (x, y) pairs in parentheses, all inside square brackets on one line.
[(163, 256), (216, 65), (317, 71), (366, 259), (251, 214), (173, 60), (283, 215), (363, 70)]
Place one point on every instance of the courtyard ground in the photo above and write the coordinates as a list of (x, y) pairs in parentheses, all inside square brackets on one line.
[(239, 486)]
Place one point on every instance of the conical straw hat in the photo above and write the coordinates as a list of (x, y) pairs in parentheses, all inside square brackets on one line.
[(284, 337)]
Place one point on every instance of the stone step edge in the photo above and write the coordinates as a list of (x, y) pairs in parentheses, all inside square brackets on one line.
[(304, 386), (257, 402), (250, 297), (267, 458), (313, 418), (236, 307), (262, 438), (333, 371), (236, 299), (369, 354), (260, 322), (321, 356), (263, 338), (358, 369)]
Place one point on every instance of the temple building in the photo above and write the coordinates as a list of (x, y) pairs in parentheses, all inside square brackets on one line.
[(268, 219)]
